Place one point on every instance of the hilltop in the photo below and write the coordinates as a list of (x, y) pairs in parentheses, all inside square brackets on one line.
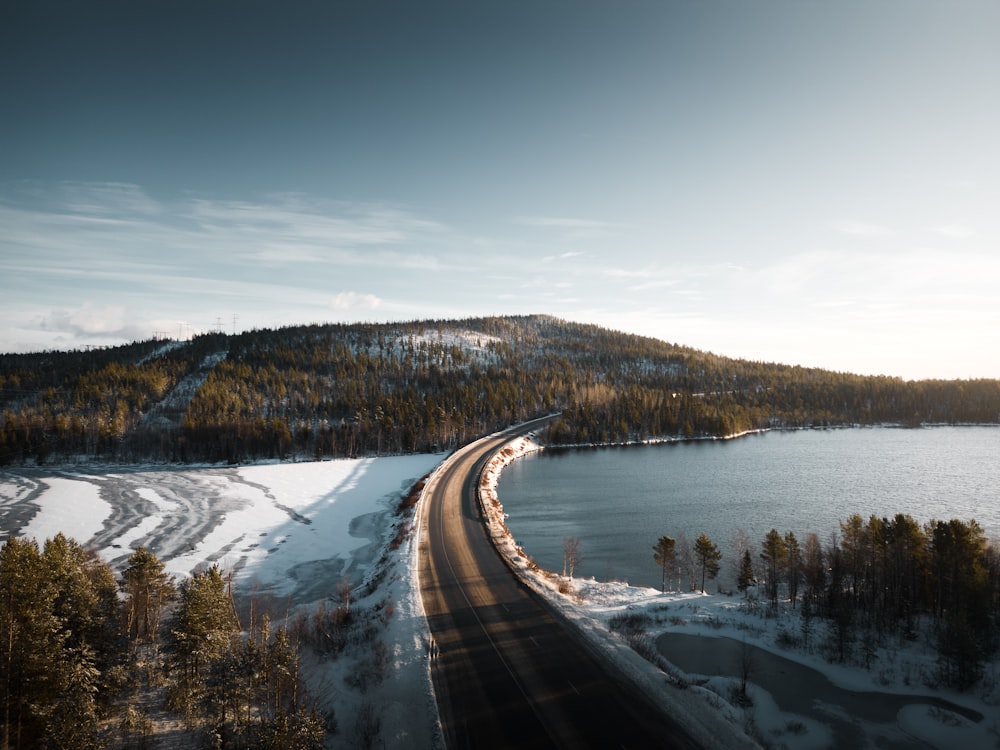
[(348, 390)]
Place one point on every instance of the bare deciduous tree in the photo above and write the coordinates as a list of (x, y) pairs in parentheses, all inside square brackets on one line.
[(344, 592), (572, 554)]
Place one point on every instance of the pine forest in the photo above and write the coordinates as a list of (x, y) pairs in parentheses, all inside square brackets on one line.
[(375, 389)]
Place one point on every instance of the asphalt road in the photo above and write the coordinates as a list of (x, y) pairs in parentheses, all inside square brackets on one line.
[(506, 672)]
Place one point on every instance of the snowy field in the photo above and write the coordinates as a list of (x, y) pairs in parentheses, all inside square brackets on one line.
[(292, 531)]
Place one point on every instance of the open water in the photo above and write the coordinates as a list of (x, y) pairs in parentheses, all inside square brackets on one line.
[(620, 501)]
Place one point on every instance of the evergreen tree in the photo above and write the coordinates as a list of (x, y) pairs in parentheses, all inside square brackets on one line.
[(663, 555), (906, 570), (854, 554), (202, 635), (58, 615), (86, 600), (962, 599), (147, 588), (814, 566), (71, 720), (87, 608), (30, 643), (773, 553), (745, 578), (708, 556)]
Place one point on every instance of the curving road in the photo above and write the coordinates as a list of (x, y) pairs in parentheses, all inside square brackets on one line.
[(505, 672)]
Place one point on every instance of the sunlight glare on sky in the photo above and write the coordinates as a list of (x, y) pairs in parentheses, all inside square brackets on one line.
[(808, 183)]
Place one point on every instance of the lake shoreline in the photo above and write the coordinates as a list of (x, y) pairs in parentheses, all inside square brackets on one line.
[(676, 439), (803, 481)]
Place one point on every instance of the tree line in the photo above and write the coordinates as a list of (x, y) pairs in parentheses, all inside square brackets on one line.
[(369, 389), (875, 580)]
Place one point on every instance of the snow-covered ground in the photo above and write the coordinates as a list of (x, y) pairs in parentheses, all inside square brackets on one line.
[(288, 533), (291, 531), (268, 524)]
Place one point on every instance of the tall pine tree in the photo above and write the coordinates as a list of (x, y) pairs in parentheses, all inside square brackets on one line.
[(707, 556)]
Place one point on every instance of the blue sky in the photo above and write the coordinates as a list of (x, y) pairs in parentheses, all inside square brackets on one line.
[(810, 183)]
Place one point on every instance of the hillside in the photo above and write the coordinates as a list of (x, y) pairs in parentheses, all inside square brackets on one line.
[(371, 389)]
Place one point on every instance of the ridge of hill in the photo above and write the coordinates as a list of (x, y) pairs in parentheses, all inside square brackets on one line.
[(328, 390)]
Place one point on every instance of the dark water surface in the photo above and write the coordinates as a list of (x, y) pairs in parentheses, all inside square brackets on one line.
[(619, 501)]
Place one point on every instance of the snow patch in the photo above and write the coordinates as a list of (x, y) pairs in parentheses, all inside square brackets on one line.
[(68, 504)]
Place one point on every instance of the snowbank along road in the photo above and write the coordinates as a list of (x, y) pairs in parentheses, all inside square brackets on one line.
[(505, 671)]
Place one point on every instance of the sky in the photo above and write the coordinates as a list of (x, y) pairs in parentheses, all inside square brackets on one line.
[(798, 182)]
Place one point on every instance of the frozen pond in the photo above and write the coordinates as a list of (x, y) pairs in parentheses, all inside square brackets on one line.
[(852, 716)]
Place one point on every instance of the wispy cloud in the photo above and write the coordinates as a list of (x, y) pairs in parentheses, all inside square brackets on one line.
[(569, 255), (106, 198), (88, 320), (572, 229), (862, 228), (651, 278), (291, 219), (83, 260), (654, 284), (351, 301), (625, 273), (562, 222), (114, 229), (955, 231)]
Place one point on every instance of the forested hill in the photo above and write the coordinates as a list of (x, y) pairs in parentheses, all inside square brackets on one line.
[(367, 389)]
